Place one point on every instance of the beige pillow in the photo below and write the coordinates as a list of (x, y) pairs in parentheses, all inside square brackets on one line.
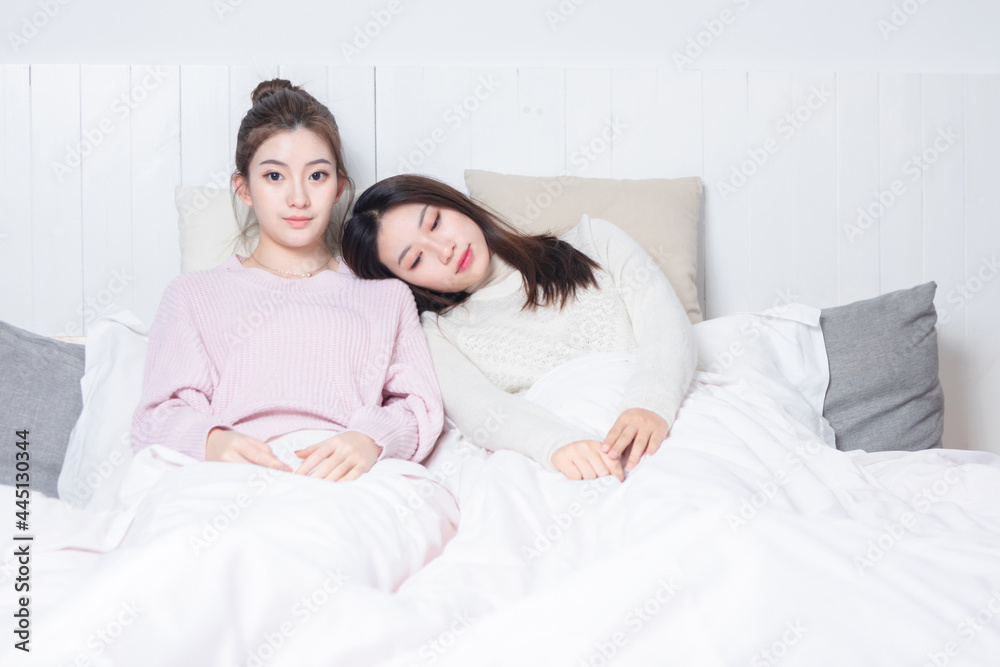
[(660, 214), (208, 230)]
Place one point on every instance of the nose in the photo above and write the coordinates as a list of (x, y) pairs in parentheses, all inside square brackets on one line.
[(444, 249), (298, 196)]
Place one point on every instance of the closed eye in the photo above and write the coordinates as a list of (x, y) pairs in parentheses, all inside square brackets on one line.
[(416, 261), (437, 220)]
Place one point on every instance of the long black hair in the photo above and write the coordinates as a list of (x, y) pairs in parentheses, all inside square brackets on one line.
[(551, 269)]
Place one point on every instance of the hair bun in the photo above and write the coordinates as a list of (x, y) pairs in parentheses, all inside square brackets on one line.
[(267, 88)]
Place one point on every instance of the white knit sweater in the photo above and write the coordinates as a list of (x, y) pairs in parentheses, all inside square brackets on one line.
[(488, 350)]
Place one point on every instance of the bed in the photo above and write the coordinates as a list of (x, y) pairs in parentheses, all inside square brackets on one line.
[(750, 537), (802, 511)]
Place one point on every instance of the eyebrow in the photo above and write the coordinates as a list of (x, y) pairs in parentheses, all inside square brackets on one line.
[(282, 164), (420, 223)]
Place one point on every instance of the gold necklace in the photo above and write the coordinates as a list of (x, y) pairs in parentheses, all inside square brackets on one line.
[(307, 274)]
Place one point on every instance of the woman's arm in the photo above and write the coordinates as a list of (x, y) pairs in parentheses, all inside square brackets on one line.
[(409, 421), (667, 353), (175, 406), (489, 416)]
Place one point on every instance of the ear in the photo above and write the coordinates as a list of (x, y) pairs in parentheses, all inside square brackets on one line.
[(242, 189), (341, 184)]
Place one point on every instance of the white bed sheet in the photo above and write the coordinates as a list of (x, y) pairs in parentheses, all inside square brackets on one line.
[(746, 540)]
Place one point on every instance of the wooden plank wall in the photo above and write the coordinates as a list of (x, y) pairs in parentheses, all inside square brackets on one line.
[(820, 187)]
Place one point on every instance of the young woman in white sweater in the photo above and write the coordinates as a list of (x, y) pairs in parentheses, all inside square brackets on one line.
[(500, 309)]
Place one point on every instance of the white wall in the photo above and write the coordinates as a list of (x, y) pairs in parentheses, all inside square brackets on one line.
[(117, 210), (932, 35)]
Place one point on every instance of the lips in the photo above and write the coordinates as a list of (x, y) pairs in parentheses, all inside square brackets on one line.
[(465, 260), (298, 222)]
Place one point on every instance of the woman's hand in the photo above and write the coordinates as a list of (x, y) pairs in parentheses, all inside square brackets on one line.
[(584, 459), (226, 445), (644, 430), (343, 457)]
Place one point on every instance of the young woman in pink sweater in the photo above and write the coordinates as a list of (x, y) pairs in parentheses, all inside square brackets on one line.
[(288, 345)]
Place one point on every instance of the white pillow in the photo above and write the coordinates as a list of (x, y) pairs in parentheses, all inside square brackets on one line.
[(100, 446), (209, 234), (779, 351)]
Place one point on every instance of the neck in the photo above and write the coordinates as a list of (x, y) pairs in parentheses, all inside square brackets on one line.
[(291, 262), (497, 270)]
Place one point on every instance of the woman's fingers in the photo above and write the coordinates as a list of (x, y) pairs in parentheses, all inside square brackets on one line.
[(352, 474), (623, 440), (312, 461), (306, 451), (613, 434), (615, 467), (643, 429), (586, 459), (333, 469), (639, 447), (251, 450)]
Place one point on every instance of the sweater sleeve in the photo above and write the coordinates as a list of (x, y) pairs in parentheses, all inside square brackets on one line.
[(489, 416), (175, 407), (408, 422), (667, 354)]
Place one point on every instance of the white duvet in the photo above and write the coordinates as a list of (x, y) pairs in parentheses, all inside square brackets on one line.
[(746, 540)]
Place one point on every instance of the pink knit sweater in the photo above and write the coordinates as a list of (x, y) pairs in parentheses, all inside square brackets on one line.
[(241, 348)]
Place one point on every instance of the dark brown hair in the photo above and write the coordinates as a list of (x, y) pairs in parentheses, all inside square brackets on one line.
[(278, 106), (551, 269)]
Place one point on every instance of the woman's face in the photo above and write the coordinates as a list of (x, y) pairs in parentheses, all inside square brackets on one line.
[(292, 186), (432, 247)]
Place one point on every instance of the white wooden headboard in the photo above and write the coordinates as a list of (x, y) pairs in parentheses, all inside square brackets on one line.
[(824, 188)]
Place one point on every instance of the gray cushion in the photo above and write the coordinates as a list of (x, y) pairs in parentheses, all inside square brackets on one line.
[(884, 391), (39, 392)]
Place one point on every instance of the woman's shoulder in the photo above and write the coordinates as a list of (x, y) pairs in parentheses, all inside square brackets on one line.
[(202, 279), (596, 237), (391, 290), (588, 228)]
